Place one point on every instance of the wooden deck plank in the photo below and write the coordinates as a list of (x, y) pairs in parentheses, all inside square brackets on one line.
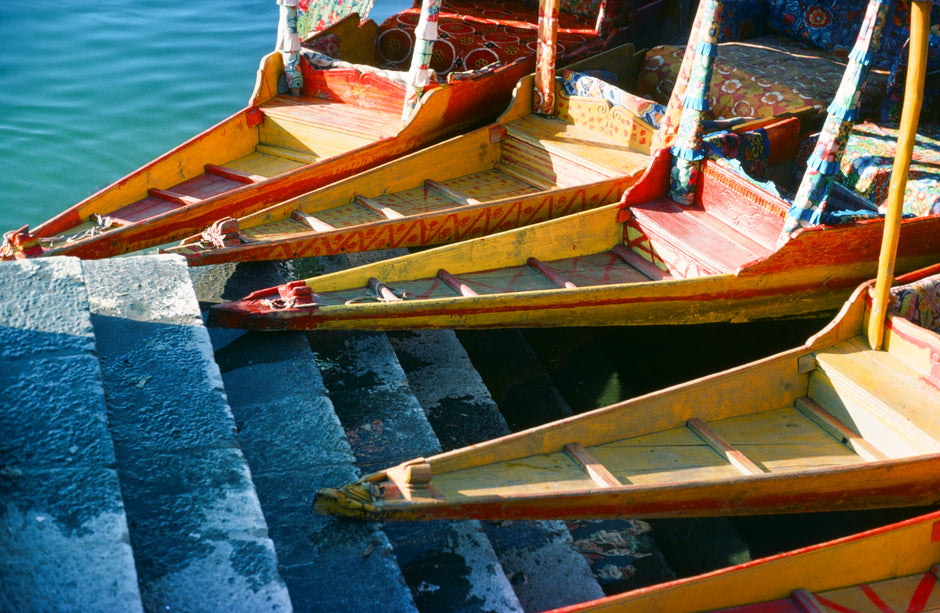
[(889, 386), (592, 149), (719, 250), (282, 228), (367, 122), (635, 260), (896, 594), (839, 430), (351, 214), (550, 274), (720, 445), (524, 159), (263, 164), (379, 209), (455, 283), (674, 455), (597, 471)]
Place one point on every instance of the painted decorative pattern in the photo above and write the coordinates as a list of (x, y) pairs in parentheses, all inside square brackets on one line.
[(760, 78), (919, 302), (543, 101), (869, 154), (687, 150), (471, 39)]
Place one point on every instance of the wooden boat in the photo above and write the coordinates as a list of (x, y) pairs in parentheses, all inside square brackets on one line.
[(850, 420), (579, 149), (347, 119), (892, 568), (645, 260), (525, 168), (832, 425)]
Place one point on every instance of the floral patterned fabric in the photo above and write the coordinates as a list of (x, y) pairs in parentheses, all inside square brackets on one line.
[(866, 166), (823, 24), (751, 149), (759, 78), (470, 44), (918, 302), (869, 155), (315, 16), (841, 117), (930, 109)]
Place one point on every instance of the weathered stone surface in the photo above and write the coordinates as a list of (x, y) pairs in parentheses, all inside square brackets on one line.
[(199, 535), (52, 413), (64, 541), (449, 566), (295, 445), (43, 309)]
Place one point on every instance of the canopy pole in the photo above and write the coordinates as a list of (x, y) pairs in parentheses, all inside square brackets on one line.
[(543, 102), (419, 75), (687, 153), (669, 124), (288, 43), (806, 209), (907, 136)]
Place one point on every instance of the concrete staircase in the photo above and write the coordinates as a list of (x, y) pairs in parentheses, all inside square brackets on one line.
[(146, 464)]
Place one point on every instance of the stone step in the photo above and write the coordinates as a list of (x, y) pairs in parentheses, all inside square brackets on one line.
[(64, 541), (449, 566), (539, 558), (295, 444), (199, 537)]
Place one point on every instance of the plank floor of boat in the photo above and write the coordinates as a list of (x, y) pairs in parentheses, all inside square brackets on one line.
[(483, 185), (539, 153), (860, 406), (296, 131), (605, 155), (908, 593), (603, 268)]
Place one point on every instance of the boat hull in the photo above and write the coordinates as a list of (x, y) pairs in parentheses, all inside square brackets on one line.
[(446, 110)]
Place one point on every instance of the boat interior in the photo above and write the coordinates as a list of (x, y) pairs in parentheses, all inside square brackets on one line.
[(837, 403)]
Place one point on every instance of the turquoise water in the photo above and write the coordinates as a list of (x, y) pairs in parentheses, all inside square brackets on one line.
[(89, 91)]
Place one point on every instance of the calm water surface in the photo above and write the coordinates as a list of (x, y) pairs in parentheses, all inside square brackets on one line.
[(89, 91)]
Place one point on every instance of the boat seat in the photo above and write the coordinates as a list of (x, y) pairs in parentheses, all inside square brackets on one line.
[(866, 165), (919, 302), (760, 77), (777, 55), (473, 34), (317, 60)]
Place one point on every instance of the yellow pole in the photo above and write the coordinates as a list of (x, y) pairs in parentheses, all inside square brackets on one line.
[(907, 135)]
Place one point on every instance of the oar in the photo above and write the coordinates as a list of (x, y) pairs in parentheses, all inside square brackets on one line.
[(544, 99), (419, 74), (907, 135)]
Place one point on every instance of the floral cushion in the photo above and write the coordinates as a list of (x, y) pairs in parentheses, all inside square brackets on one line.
[(869, 155), (919, 302), (760, 77), (822, 24), (742, 19)]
